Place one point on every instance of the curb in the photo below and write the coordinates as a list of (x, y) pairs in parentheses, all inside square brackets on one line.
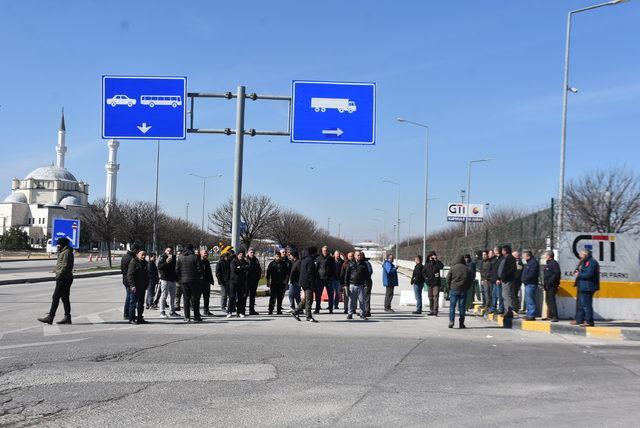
[(607, 333), (53, 278)]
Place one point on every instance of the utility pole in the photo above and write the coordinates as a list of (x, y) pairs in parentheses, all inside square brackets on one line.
[(155, 210), (187, 213)]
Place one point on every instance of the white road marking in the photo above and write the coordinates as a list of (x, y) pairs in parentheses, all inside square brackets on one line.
[(131, 372), (26, 345)]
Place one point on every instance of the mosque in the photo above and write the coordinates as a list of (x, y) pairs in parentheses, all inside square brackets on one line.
[(46, 193)]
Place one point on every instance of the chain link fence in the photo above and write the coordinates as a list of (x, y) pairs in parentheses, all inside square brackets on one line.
[(532, 232)]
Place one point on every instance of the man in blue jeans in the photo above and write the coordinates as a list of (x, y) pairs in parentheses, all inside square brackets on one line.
[(459, 281), (417, 282), (530, 277), (588, 282)]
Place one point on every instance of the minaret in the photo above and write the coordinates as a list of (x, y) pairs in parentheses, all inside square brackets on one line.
[(112, 168), (61, 148)]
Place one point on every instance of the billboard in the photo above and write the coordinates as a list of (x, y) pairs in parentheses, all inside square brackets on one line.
[(619, 257), (456, 212)]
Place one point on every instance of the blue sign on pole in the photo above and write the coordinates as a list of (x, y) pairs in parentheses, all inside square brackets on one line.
[(66, 228), (333, 112), (144, 108)]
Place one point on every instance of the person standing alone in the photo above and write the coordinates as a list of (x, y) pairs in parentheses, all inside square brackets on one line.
[(64, 279), (138, 281), (389, 281)]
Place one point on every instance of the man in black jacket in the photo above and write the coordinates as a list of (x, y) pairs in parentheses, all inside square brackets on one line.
[(207, 282), (432, 278), (238, 285), (307, 280), (223, 274), (497, 303), (417, 283), (551, 281), (326, 268), (276, 281), (138, 281), (189, 272), (253, 278), (358, 275), (124, 268), (506, 276), (168, 278), (153, 280)]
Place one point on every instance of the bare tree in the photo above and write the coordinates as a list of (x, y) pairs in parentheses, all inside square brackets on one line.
[(257, 212), (293, 229), (604, 201), (174, 230), (136, 222), (100, 226)]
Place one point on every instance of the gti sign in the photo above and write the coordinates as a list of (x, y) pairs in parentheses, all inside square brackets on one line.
[(333, 112), (66, 228), (144, 108), (456, 212)]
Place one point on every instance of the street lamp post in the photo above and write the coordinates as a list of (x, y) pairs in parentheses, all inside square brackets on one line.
[(204, 192), (565, 91), (426, 181), (398, 215), (466, 211)]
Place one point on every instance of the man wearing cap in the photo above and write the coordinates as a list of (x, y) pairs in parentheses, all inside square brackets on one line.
[(64, 278)]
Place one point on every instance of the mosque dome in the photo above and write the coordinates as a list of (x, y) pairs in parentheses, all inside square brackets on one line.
[(69, 200), (51, 173), (16, 198)]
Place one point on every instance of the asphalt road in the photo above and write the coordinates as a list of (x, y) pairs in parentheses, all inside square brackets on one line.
[(394, 370), (36, 267)]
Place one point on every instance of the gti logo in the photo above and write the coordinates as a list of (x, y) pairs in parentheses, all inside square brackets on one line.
[(600, 240), (457, 209)]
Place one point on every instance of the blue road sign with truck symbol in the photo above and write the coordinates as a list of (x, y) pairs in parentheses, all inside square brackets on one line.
[(144, 107), (66, 228), (333, 112)]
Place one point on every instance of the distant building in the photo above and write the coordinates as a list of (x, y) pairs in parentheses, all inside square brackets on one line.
[(371, 250), (45, 193)]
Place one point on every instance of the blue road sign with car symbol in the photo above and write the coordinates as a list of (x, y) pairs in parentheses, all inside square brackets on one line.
[(333, 112), (144, 108)]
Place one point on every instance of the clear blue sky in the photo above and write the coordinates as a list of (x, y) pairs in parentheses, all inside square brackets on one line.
[(487, 77)]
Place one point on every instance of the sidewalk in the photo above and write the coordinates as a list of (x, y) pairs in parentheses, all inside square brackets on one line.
[(609, 330)]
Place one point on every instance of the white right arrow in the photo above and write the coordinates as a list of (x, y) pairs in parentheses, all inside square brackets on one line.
[(338, 132), (144, 128)]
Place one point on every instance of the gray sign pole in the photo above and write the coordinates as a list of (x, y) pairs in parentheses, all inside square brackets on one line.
[(237, 174), (155, 209)]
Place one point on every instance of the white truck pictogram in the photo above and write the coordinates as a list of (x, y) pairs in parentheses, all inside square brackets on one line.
[(340, 104)]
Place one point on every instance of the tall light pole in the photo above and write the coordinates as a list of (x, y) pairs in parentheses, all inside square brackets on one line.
[(187, 212), (398, 215), (204, 192), (565, 91), (426, 181), (384, 220), (466, 211)]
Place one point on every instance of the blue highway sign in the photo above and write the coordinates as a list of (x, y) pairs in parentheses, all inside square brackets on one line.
[(66, 228), (144, 108), (333, 112)]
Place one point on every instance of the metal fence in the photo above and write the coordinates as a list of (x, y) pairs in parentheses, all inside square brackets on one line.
[(532, 232)]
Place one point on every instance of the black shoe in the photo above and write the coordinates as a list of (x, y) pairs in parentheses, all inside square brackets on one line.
[(346, 311), (178, 308), (462, 326), (65, 320), (389, 310), (317, 311), (46, 320), (363, 317), (208, 313), (133, 322), (295, 315), (529, 318), (416, 312), (198, 319), (146, 307), (349, 317), (187, 320), (252, 312), (330, 311), (270, 312), (279, 312), (368, 314), (311, 319), (142, 321), (451, 324)]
